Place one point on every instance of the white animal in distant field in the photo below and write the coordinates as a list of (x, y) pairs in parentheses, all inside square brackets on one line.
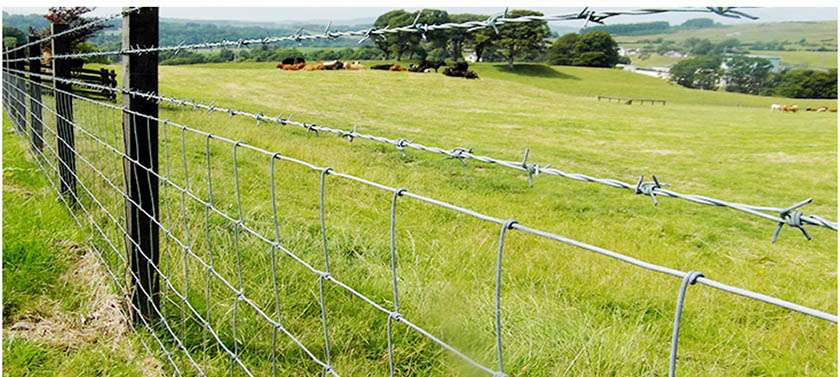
[(775, 107)]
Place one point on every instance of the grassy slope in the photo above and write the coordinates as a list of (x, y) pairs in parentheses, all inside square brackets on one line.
[(822, 33), (566, 311), (820, 59), (37, 251)]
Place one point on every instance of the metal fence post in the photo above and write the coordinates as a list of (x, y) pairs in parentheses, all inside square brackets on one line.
[(35, 94), (64, 114), (140, 139)]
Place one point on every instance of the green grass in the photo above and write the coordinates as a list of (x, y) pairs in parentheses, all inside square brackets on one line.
[(805, 59), (655, 60), (37, 239), (818, 33), (793, 59), (566, 311)]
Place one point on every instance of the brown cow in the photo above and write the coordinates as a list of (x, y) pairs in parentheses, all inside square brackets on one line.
[(397, 68), (354, 66)]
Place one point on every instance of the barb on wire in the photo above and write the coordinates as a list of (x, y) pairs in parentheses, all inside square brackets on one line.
[(324, 276), (653, 189), (71, 30), (492, 22)]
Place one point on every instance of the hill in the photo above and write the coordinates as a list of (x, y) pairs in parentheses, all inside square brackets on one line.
[(565, 310), (793, 35)]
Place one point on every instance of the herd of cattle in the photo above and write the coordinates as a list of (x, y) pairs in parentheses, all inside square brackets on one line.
[(298, 63), (794, 108)]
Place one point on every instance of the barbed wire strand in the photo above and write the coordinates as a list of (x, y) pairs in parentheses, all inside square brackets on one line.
[(40, 160), (70, 30), (477, 215), (791, 216), (492, 22), (325, 276)]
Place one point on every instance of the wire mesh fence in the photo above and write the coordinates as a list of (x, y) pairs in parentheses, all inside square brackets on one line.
[(273, 265)]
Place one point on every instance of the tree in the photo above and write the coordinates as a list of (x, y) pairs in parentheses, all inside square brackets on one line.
[(435, 44), (592, 49), (460, 37), (521, 38), (698, 23), (747, 74), (697, 46), (392, 42), (72, 17), (13, 37), (806, 83), (702, 72)]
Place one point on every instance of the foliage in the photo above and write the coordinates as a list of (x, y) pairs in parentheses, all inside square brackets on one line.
[(806, 83), (747, 74), (699, 23), (521, 39), (72, 17), (592, 49), (13, 37), (702, 72), (639, 28), (458, 38)]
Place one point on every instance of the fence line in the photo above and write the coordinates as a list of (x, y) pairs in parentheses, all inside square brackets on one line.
[(492, 22), (790, 216), (231, 345), (239, 224)]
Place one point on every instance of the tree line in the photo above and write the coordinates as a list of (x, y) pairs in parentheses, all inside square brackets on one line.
[(753, 75)]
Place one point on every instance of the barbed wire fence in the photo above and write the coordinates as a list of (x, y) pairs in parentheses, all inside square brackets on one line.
[(221, 262)]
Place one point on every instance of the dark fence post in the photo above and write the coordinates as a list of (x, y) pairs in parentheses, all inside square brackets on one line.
[(19, 90), (64, 114), (35, 92), (140, 139)]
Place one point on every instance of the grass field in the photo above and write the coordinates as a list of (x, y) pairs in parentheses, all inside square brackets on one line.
[(566, 311), (818, 33), (807, 59), (792, 59), (53, 321)]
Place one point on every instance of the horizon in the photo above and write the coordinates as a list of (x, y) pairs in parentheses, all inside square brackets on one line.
[(368, 14)]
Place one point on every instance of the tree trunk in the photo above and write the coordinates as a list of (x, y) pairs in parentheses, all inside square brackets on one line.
[(511, 51)]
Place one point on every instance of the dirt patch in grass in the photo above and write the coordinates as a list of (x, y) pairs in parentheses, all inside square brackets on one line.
[(100, 319)]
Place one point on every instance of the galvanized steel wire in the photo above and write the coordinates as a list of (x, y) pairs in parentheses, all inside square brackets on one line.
[(239, 223), (790, 216), (492, 22)]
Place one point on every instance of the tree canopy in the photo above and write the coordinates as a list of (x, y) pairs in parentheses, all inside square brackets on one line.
[(592, 49)]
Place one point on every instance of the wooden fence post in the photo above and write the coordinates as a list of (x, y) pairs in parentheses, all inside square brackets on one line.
[(64, 115), (140, 139), (35, 92), (19, 90)]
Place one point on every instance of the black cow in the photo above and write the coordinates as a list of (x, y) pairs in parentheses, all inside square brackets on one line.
[(293, 60), (461, 69)]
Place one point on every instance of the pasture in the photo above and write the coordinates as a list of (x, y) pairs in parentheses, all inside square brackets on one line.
[(567, 311), (819, 33)]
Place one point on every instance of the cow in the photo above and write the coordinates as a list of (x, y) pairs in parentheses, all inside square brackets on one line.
[(332, 65), (291, 67), (775, 107), (426, 65), (821, 109), (381, 67), (314, 67), (397, 68), (790, 108), (354, 66), (461, 69), (293, 60)]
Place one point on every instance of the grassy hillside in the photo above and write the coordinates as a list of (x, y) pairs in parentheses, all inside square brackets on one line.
[(56, 315), (566, 311), (806, 59), (817, 33)]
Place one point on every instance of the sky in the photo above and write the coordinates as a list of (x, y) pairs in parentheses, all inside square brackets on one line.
[(346, 14)]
